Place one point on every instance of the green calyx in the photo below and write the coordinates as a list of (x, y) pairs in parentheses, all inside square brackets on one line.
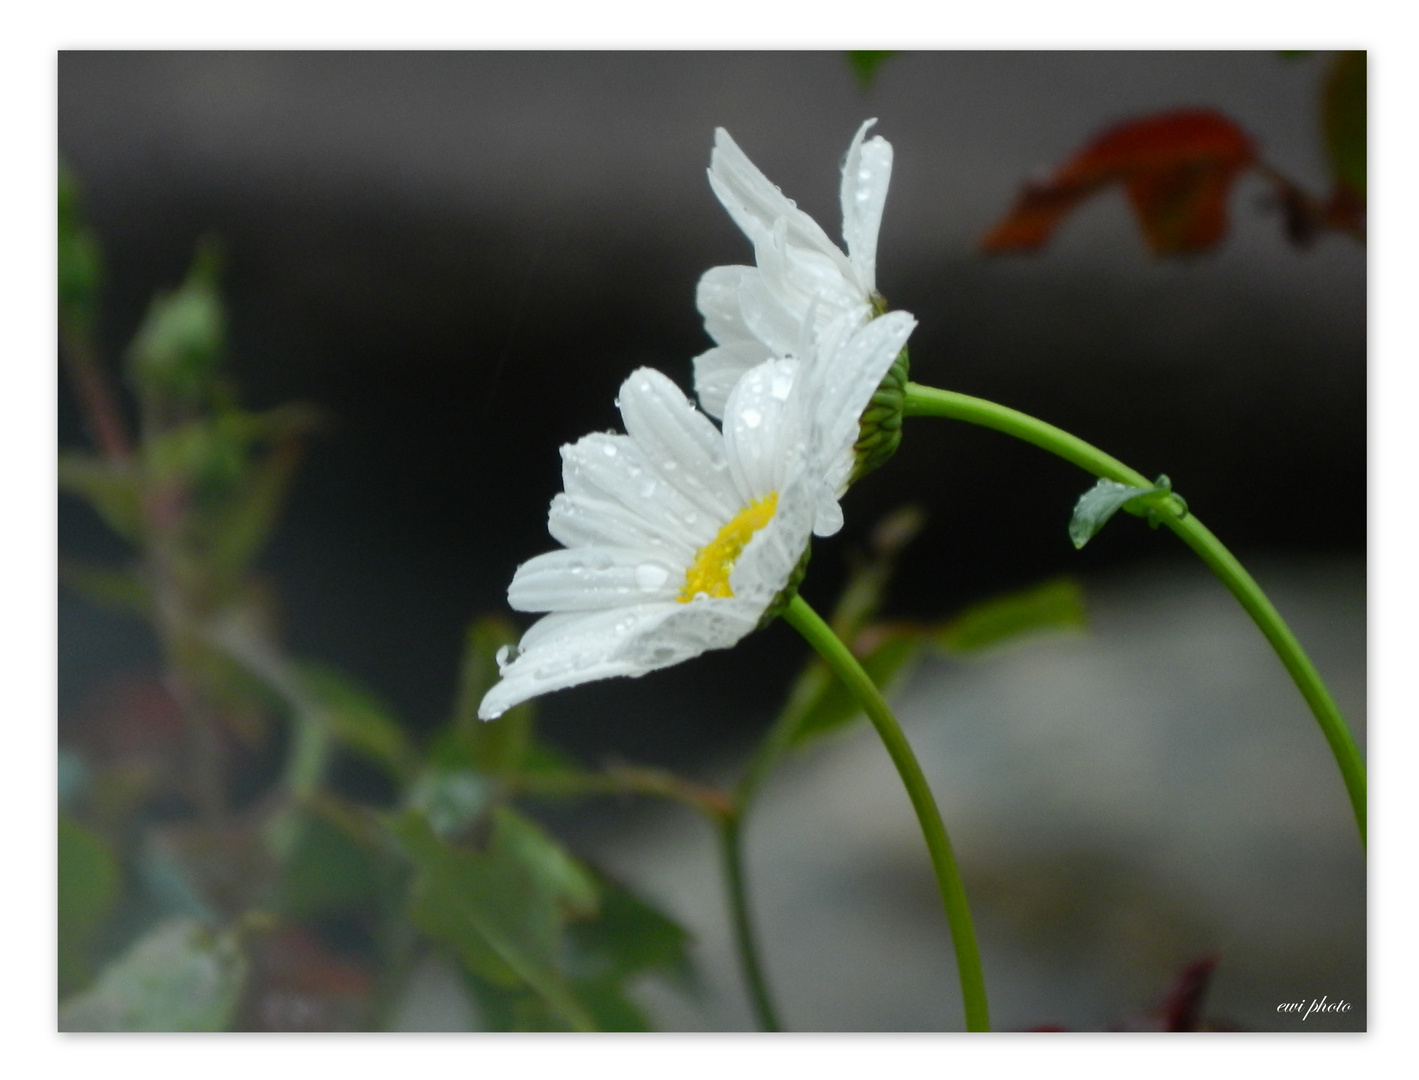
[(880, 427)]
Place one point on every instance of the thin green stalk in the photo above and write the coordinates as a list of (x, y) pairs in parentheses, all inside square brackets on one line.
[(953, 894), (928, 401), (733, 854)]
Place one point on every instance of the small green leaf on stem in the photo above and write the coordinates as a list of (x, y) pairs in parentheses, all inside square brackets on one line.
[(180, 977), (1106, 498)]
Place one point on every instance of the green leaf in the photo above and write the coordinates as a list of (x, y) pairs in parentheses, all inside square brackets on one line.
[(328, 873), (1103, 500), (208, 454), (502, 910), (80, 263), (123, 589), (497, 747), (245, 523), (180, 977), (1054, 605), (356, 719), (604, 1000), (178, 348), (825, 704), (1343, 116), (628, 937), (865, 64), (111, 488), (88, 887)]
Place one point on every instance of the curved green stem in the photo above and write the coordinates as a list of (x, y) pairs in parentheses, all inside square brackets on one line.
[(928, 401), (953, 894), (733, 853)]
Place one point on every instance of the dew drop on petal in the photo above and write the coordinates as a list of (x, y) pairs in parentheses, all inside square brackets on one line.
[(751, 417), (651, 576), (609, 450)]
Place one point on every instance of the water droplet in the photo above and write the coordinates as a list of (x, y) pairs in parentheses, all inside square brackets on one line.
[(609, 449), (505, 656), (751, 418), (651, 576)]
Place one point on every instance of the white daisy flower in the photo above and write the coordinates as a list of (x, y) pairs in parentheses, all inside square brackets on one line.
[(755, 313), (679, 538)]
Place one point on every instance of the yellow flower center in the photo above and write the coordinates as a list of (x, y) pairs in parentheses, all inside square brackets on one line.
[(709, 574)]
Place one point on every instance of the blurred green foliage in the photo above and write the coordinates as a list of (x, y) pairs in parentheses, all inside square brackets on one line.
[(235, 910)]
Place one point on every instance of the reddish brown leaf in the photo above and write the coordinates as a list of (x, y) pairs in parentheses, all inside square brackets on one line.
[(1177, 169)]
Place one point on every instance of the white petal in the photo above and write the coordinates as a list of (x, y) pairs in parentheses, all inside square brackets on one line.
[(717, 297), (569, 649), (828, 513), (591, 579), (759, 437), (840, 383), (678, 440), (695, 628), (867, 172), (577, 521), (566, 650), (612, 468), (755, 204), (791, 281), (770, 557), (718, 369), (775, 324)]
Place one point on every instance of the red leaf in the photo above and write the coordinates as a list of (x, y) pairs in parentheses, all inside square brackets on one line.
[(1176, 167)]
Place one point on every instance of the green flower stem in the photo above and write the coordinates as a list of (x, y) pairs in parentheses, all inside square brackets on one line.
[(927, 401), (953, 894), (732, 851)]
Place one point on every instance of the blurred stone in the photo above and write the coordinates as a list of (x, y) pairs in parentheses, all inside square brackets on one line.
[(1121, 803)]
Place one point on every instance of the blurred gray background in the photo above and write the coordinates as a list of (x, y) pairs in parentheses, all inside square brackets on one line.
[(460, 256)]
